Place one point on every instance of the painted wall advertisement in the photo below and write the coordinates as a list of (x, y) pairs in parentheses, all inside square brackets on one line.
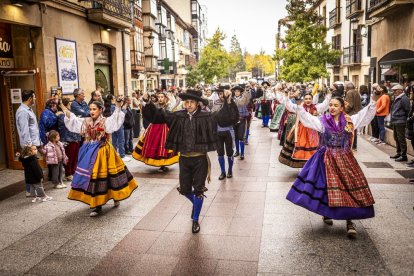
[(67, 65), (6, 51)]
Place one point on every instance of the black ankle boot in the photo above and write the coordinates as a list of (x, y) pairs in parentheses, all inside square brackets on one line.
[(242, 157), (196, 227), (222, 176), (229, 175)]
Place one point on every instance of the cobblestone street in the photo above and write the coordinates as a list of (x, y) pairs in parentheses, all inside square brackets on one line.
[(247, 226)]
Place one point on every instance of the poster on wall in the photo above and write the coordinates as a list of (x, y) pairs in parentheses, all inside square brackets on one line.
[(67, 65), (16, 96), (6, 50)]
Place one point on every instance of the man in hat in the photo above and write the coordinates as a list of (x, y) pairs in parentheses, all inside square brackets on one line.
[(193, 133), (241, 99), (267, 98), (225, 135), (399, 114)]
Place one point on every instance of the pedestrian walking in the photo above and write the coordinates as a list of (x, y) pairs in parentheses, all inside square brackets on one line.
[(332, 183), (101, 174), (193, 133), (399, 115), (33, 174), (56, 158)]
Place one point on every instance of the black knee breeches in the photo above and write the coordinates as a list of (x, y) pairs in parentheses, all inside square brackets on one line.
[(193, 174), (225, 141)]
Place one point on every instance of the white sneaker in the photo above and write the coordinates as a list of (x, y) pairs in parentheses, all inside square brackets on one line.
[(375, 140), (47, 198), (36, 199), (63, 185), (380, 143), (126, 159), (60, 186)]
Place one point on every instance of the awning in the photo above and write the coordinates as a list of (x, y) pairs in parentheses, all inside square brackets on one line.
[(397, 56), (391, 72)]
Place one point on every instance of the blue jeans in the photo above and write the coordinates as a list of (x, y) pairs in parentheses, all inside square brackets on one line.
[(118, 141), (381, 127), (129, 134)]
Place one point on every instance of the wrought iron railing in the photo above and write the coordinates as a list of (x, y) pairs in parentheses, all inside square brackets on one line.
[(137, 59), (352, 7), (137, 12), (352, 54), (118, 8), (375, 4), (334, 17)]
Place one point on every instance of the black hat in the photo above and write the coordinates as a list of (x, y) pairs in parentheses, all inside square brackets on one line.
[(221, 88), (191, 94), (266, 82), (237, 87)]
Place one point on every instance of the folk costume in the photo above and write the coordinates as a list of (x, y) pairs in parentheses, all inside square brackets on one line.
[(225, 138), (279, 110), (240, 127), (331, 183), (300, 142), (150, 148), (101, 175), (265, 104), (193, 135)]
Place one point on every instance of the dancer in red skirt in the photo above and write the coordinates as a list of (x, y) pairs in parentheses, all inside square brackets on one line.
[(151, 145)]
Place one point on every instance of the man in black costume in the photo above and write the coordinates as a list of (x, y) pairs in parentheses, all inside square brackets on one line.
[(193, 133)]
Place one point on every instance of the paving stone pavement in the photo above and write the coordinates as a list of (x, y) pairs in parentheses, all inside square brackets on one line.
[(247, 226)]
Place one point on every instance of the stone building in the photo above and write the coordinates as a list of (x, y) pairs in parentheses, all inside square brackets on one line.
[(66, 44)]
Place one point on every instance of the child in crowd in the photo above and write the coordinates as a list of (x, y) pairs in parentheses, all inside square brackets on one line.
[(33, 174), (56, 158)]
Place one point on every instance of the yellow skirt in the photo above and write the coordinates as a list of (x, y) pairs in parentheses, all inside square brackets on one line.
[(110, 179)]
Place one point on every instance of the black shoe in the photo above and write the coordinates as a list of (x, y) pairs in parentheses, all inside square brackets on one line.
[(196, 227), (242, 157), (222, 176), (395, 156), (327, 220), (401, 159), (410, 163), (246, 143), (236, 154), (229, 175)]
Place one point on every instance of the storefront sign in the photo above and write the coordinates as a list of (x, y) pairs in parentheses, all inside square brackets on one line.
[(16, 96), (6, 51), (67, 65)]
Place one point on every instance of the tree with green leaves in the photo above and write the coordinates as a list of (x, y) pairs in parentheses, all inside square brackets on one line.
[(307, 52), (214, 63), (237, 56)]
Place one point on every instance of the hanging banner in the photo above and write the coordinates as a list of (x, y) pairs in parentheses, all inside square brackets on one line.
[(6, 51), (67, 65)]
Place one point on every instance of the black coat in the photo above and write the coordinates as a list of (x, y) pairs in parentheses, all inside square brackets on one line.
[(198, 134), (129, 118), (33, 173)]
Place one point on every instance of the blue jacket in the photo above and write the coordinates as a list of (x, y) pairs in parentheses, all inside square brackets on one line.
[(80, 109), (65, 134), (48, 121)]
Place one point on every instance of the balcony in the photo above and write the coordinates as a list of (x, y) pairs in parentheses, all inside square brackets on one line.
[(335, 18), (149, 23), (336, 63), (137, 60), (383, 8), (112, 13), (137, 13), (352, 55), (151, 64), (353, 8)]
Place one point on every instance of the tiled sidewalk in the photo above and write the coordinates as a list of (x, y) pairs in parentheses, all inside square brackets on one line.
[(248, 228)]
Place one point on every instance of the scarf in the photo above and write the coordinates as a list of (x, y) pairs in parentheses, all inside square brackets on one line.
[(329, 123)]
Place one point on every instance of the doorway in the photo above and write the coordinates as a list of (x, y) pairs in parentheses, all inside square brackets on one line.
[(103, 68), (9, 103)]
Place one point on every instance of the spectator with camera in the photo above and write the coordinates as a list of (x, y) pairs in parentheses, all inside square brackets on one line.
[(79, 107)]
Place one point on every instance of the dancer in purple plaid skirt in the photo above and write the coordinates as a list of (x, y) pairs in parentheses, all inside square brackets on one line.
[(331, 183)]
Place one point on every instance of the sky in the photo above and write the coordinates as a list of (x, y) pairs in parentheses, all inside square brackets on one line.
[(253, 21)]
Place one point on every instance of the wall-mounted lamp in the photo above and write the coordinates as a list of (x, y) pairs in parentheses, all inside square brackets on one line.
[(364, 31), (150, 42)]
